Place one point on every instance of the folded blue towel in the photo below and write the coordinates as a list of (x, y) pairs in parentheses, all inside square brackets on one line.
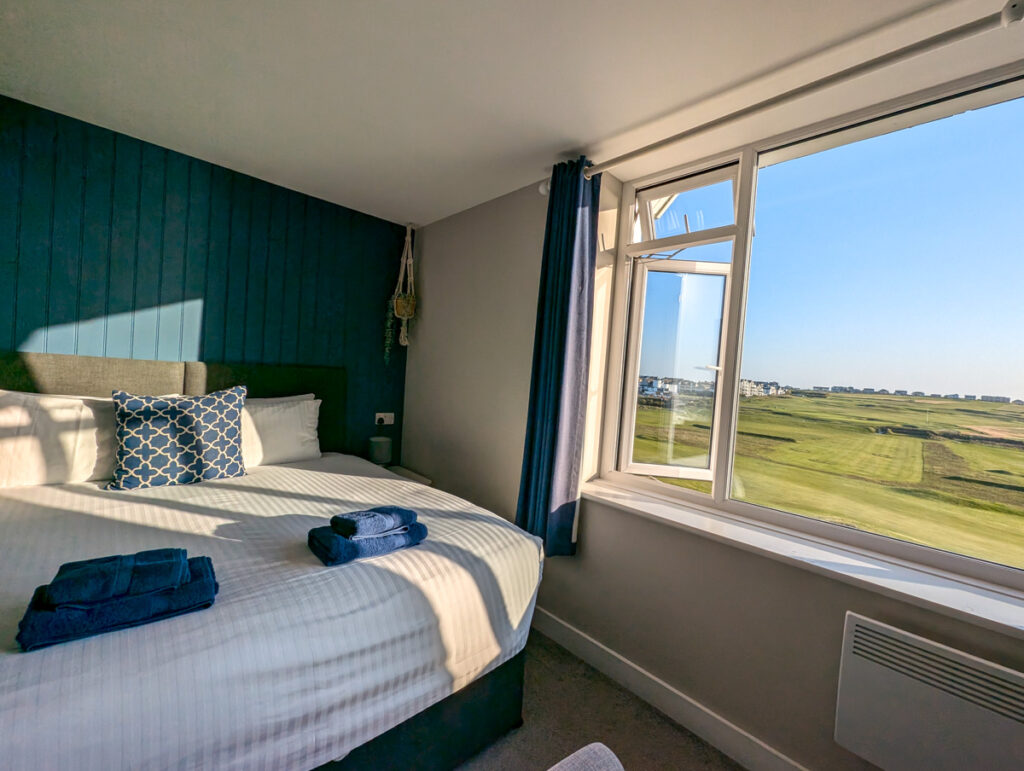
[(333, 549), (45, 625), (97, 580), (375, 521)]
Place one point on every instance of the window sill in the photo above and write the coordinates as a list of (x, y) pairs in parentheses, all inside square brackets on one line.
[(994, 607)]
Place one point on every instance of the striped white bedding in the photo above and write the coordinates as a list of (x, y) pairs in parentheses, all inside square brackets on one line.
[(296, 663)]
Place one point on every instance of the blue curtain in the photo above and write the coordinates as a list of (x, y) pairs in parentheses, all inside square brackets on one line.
[(549, 487)]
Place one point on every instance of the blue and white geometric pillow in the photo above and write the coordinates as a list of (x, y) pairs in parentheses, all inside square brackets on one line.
[(177, 440)]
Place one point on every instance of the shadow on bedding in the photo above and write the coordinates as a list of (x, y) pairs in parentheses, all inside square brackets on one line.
[(320, 639), (501, 624), (278, 541)]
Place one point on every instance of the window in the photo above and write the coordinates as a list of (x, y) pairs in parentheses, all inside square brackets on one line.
[(680, 281), (869, 371)]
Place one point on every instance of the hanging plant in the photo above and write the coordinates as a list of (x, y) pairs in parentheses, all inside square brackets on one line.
[(402, 304), (389, 330)]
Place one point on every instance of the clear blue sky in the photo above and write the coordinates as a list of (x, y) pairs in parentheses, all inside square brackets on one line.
[(896, 262)]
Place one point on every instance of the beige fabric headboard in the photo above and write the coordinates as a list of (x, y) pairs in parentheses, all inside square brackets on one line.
[(54, 373)]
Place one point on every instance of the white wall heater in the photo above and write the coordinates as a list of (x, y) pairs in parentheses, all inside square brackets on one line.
[(909, 704)]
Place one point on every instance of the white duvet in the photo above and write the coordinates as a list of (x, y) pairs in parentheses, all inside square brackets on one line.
[(296, 663)]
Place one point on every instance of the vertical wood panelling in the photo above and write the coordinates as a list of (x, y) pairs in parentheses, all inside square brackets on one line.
[(307, 275), (149, 257), (256, 289), (124, 225), (325, 301), (197, 240), (293, 278), (329, 299), (238, 270), (34, 241), (360, 326), (172, 276), (12, 130), (215, 299), (339, 329), (96, 213), (276, 261), (114, 247), (65, 235)]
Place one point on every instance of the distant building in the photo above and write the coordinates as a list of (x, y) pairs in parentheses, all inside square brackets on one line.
[(1018, 402), (935, 396), (969, 397), (821, 388), (918, 393), (951, 396), (883, 391), (762, 388), (867, 390), (996, 399), (900, 393)]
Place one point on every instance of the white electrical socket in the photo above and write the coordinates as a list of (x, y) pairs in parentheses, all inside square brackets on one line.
[(385, 419)]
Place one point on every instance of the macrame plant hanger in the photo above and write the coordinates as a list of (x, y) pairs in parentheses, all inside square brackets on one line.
[(404, 298)]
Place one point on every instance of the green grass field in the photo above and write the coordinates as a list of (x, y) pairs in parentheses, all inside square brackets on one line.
[(940, 472)]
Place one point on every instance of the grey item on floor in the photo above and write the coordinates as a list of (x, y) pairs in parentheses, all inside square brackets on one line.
[(569, 704), (593, 757)]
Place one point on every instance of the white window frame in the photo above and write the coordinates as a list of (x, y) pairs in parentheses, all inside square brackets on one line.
[(984, 89), (641, 267)]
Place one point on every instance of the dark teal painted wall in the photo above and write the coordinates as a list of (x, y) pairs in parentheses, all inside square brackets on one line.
[(114, 247)]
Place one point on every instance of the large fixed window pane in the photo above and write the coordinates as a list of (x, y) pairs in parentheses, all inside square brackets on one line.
[(679, 349), (882, 382)]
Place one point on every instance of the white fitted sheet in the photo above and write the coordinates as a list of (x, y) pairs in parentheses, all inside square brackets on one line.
[(296, 663)]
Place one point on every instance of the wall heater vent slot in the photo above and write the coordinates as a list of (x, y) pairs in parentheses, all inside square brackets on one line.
[(909, 703), (939, 671)]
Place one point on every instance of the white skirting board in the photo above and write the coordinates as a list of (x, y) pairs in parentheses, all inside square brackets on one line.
[(745, 749)]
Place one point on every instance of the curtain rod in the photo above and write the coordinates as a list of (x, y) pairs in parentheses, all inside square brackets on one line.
[(1012, 12)]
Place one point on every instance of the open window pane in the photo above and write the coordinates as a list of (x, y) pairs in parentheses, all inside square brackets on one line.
[(679, 348), (717, 252), (884, 303), (705, 207)]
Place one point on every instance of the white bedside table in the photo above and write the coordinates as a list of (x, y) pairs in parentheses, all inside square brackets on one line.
[(404, 472)]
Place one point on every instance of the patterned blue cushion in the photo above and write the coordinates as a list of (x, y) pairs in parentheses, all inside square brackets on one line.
[(177, 440)]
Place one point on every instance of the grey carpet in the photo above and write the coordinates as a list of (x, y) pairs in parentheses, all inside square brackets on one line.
[(569, 704)]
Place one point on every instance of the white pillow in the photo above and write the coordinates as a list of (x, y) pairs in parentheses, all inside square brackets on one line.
[(277, 399), (280, 430), (50, 439)]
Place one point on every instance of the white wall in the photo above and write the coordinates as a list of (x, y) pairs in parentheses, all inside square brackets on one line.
[(471, 349)]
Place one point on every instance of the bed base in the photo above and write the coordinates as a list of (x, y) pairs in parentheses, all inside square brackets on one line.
[(450, 732)]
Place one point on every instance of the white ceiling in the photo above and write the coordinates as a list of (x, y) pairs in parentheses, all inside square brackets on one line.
[(416, 109)]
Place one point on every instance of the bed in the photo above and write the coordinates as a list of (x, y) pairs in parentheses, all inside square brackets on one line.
[(412, 656)]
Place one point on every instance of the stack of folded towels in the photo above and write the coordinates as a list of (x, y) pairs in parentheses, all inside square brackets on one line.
[(369, 533), (101, 595)]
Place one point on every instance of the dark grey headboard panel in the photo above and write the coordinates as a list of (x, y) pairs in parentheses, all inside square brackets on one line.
[(265, 380), (56, 373)]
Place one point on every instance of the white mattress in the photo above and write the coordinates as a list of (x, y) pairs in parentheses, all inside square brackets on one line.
[(296, 663)]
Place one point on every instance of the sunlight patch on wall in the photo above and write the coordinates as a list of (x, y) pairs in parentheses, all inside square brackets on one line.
[(171, 332)]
